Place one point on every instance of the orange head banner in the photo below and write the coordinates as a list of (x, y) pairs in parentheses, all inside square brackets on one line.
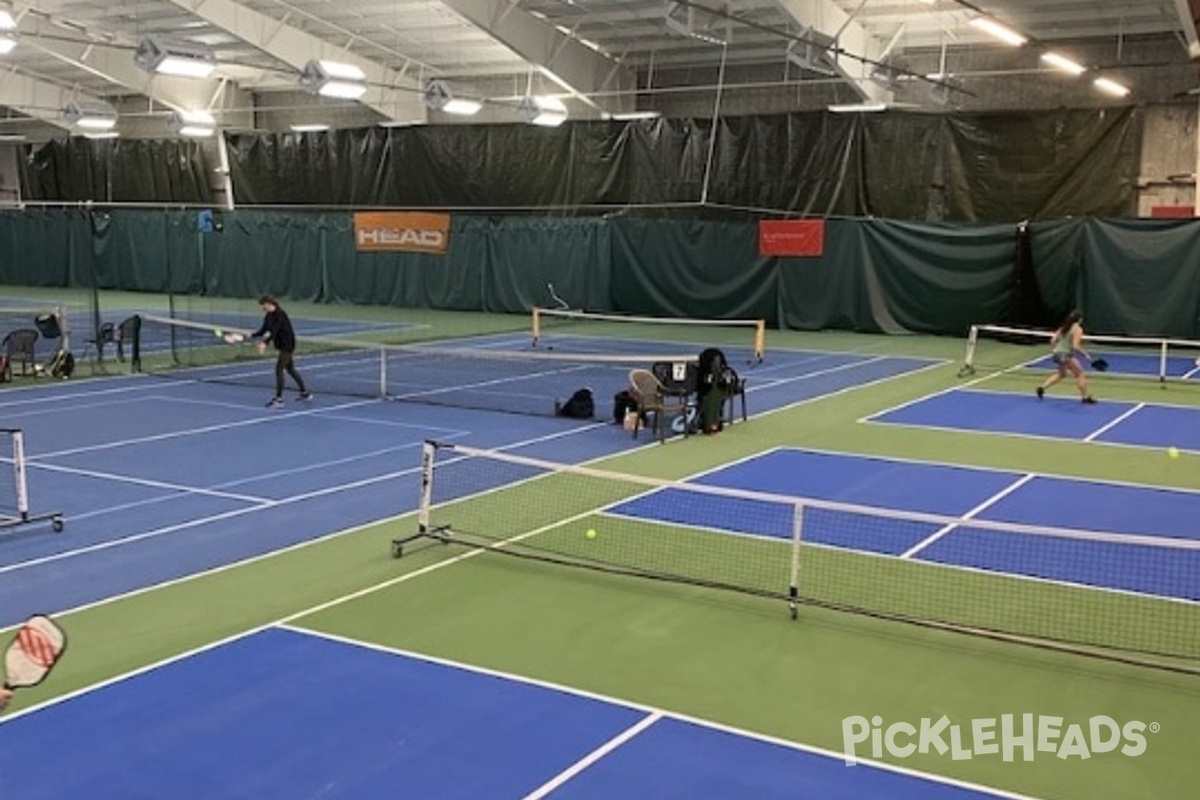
[(406, 231), (791, 237)]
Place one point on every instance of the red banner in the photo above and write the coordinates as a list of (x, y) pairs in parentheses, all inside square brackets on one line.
[(1172, 212), (791, 237)]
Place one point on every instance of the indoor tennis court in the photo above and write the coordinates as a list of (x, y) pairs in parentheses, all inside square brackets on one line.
[(520, 399), (381, 719)]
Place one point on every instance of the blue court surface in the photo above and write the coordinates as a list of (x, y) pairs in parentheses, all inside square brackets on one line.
[(1177, 367), (283, 713), (1057, 416), (1166, 554), (161, 479)]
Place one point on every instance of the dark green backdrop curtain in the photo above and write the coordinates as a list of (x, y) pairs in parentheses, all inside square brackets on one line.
[(116, 171), (1130, 277), (978, 168), (890, 277)]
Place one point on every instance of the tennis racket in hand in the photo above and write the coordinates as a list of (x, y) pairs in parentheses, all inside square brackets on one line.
[(33, 652)]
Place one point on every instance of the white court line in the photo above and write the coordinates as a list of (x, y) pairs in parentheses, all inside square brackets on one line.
[(155, 533), (1040, 437), (653, 714), (266, 418), (215, 490), (945, 529), (293, 617), (1114, 423), (151, 484), (591, 758)]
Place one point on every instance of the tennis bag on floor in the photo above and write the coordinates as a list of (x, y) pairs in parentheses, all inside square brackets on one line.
[(581, 405), (623, 403), (61, 365)]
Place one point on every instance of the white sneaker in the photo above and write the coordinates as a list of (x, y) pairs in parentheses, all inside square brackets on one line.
[(276, 402), (306, 396)]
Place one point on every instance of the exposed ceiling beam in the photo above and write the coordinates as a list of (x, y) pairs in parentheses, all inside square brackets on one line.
[(855, 50), (391, 93), (37, 98), (595, 78), (115, 65)]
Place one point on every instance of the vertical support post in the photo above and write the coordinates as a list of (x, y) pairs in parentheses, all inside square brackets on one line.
[(18, 448), (797, 537)]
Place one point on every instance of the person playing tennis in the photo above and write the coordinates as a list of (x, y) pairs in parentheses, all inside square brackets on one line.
[(1066, 345), (277, 329)]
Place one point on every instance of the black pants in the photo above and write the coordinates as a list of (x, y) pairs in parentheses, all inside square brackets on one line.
[(285, 363), (711, 404)]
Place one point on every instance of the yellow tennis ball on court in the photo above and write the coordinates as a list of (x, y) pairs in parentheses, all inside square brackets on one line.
[(591, 533), (1173, 452), (219, 333)]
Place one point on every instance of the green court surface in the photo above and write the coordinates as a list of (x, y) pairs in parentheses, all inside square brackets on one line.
[(730, 659)]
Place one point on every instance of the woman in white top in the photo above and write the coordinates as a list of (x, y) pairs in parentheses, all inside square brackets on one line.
[(1065, 347)]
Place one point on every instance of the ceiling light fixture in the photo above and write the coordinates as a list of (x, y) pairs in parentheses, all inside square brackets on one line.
[(312, 127), (546, 112), (334, 79), (8, 32), (194, 123), (630, 116), (1063, 63), (440, 97), (993, 28), (183, 59), (96, 115), (858, 108), (1111, 87)]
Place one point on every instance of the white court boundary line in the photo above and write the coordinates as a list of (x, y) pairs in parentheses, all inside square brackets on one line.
[(591, 758), (986, 504), (290, 618), (192, 523), (1136, 406), (654, 715)]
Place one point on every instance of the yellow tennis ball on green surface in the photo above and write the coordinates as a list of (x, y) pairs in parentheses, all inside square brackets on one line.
[(591, 533), (219, 333), (1173, 452)]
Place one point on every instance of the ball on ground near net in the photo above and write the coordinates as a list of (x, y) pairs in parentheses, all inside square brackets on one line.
[(591, 533), (1173, 452), (218, 333)]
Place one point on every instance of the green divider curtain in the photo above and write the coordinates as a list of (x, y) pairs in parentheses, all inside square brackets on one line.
[(690, 269), (1141, 277), (45, 247), (891, 277)]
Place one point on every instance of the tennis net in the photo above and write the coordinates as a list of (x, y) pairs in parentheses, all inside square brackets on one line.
[(553, 327), (1127, 598), (996, 348), (14, 490), (479, 373)]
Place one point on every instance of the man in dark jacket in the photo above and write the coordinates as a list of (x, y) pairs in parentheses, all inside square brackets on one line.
[(277, 329)]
